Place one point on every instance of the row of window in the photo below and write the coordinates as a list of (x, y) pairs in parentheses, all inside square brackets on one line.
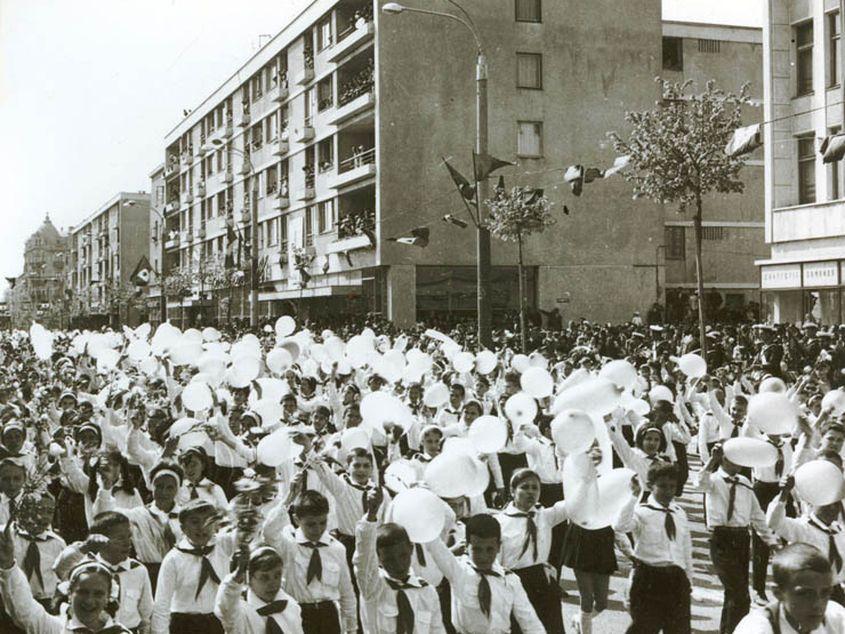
[(807, 191), (675, 239), (803, 39)]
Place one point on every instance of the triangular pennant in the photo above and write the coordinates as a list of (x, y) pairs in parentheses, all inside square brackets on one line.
[(417, 237), (143, 272), (12, 281), (455, 221), (531, 196), (744, 140), (620, 164), (486, 165), (466, 190)]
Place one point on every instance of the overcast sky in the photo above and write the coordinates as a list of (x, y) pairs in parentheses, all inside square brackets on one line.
[(88, 90)]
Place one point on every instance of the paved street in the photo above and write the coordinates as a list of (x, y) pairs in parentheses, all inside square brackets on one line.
[(707, 591)]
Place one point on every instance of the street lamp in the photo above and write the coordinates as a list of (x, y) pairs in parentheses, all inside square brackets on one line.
[(253, 237), (483, 264), (160, 238)]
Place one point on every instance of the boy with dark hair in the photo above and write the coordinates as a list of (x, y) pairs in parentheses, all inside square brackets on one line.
[(661, 584), (263, 607), (395, 599), (803, 581), (310, 549), (110, 543), (485, 596)]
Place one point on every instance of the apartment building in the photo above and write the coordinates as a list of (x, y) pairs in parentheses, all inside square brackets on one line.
[(102, 253), (336, 132), (732, 236), (803, 275), (37, 294)]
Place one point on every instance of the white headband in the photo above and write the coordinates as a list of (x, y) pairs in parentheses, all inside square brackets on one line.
[(170, 472)]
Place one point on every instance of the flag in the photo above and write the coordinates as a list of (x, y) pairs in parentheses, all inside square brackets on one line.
[(620, 164), (143, 272), (744, 140), (833, 148), (500, 186), (417, 237), (12, 281), (231, 238), (467, 190), (455, 221), (577, 175), (325, 264), (565, 210), (486, 165), (530, 197)]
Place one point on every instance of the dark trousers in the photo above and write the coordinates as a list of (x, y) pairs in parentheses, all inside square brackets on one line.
[(320, 618), (152, 571), (181, 623), (348, 542), (730, 550), (682, 465), (544, 596), (660, 600), (444, 593), (760, 552)]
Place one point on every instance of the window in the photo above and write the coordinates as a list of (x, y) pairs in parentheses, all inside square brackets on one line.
[(806, 170), (273, 232), (713, 233), (325, 154), (834, 28), (804, 57), (709, 46), (529, 70), (673, 53), (272, 180), (221, 203), (529, 11), (324, 34), (530, 139), (283, 234), (325, 94), (256, 87), (309, 226), (675, 239), (835, 176), (325, 216)]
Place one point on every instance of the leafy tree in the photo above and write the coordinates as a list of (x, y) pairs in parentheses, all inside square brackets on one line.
[(677, 154), (514, 215)]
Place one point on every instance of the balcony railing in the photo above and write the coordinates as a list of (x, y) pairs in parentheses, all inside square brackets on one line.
[(361, 83), (227, 176), (281, 147), (360, 156), (279, 92), (358, 32)]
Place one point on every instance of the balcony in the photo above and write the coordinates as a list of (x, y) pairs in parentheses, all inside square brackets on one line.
[(281, 200), (351, 243), (350, 39), (189, 197), (201, 190), (173, 205), (245, 119), (201, 233), (172, 167), (307, 191), (358, 167), (305, 133), (227, 176), (189, 236), (352, 107), (246, 167), (227, 130), (279, 92), (809, 222), (281, 147)]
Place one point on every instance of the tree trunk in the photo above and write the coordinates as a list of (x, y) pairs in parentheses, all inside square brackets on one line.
[(522, 336), (699, 274)]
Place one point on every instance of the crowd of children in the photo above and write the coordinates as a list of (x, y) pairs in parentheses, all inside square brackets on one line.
[(124, 510)]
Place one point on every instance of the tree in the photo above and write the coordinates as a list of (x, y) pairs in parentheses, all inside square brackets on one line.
[(179, 282), (514, 215), (677, 154)]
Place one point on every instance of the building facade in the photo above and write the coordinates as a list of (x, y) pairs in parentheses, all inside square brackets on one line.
[(103, 251), (732, 236), (805, 213), (336, 132), (38, 292)]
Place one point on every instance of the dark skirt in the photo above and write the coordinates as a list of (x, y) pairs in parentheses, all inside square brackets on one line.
[(181, 623), (589, 550)]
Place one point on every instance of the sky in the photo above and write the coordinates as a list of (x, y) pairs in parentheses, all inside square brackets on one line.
[(88, 89)]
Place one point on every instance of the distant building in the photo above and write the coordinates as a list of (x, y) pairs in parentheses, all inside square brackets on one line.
[(103, 251), (38, 292), (732, 236), (804, 274)]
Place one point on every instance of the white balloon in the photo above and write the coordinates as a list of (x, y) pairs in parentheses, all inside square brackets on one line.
[(835, 400), (450, 474), (285, 326), (436, 394), (279, 360), (271, 389), (182, 425), (211, 334), (457, 444), (378, 408), (521, 408), (197, 397), (573, 431), (620, 372), (819, 482), (463, 362), (138, 350), (660, 393), (693, 365), (537, 382), (149, 366), (243, 372), (596, 396), (387, 369), (107, 360), (485, 362), (277, 448), (354, 437), (488, 434), (614, 493), (772, 413), (420, 512), (270, 411), (750, 452), (334, 348), (400, 475), (192, 334), (186, 352), (520, 362)]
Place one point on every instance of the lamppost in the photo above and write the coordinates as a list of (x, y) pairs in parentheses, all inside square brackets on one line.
[(160, 239), (253, 234), (483, 264)]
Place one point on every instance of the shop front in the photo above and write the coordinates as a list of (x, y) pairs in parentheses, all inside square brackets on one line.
[(801, 291)]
